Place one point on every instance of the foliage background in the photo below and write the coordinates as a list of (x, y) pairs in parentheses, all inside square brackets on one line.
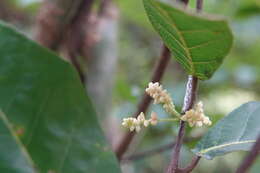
[(137, 49)]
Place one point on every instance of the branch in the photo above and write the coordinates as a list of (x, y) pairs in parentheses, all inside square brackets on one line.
[(191, 166), (53, 20), (251, 157), (103, 5), (148, 153), (61, 21), (76, 33), (189, 99), (146, 100), (199, 5), (154, 151), (185, 2), (9, 12)]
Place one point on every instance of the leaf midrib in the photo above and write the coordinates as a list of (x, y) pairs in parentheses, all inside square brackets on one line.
[(183, 41), (232, 143), (224, 145)]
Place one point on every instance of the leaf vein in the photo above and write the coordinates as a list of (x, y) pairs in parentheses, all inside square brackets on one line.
[(36, 118), (67, 149), (225, 145), (205, 43), (182, 40)]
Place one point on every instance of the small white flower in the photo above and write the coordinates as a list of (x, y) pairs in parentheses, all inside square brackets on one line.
[(137, 123), (154, 118), (132, 128), (129, 123), (160, 96), (207, 121), (146, 123), (196, 116), (141, 117), (137, 128)]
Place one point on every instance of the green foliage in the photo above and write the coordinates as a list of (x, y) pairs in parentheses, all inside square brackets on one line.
[(198, 43), (137, 15), (248, 8), (43, 96), (13, 157), (237, 131)]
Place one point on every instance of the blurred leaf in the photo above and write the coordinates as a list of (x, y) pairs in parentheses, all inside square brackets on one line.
[(198, 43), (256, 166), (123, 90), (137, 15), (43, 95), (33, 7), (248, 8), (13, 157), (237, 131), (247, 11)]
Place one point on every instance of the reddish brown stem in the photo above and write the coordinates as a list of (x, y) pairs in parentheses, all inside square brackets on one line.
[(157, 150), (103, 5), (199, 5), (13, 14), (75, 34), (184, 1), (148, 153), (189, 99), (191, 166), (62, 21), (251, 157), (54, 18), (146, 100)]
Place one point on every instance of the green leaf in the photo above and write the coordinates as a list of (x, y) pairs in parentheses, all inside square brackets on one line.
[(43, 95), (13, 157), (198, 43), (248, 11), (237, 131)]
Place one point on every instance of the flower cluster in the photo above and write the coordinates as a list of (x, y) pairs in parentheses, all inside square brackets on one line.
[(196, 116), (137, 123), (161, 96)]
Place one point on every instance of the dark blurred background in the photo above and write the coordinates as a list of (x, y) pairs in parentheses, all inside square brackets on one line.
[(114, 48)]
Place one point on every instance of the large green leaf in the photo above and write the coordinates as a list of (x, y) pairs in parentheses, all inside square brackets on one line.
[(13, 157), (198, 43), (43, 95), (237, 131)]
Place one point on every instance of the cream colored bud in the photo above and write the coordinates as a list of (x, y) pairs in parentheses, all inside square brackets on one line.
[(141, 117), (196, 116), (161, 96), (135, 124), (154, 118), (137, 128), (146, 123), (132, 128)]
